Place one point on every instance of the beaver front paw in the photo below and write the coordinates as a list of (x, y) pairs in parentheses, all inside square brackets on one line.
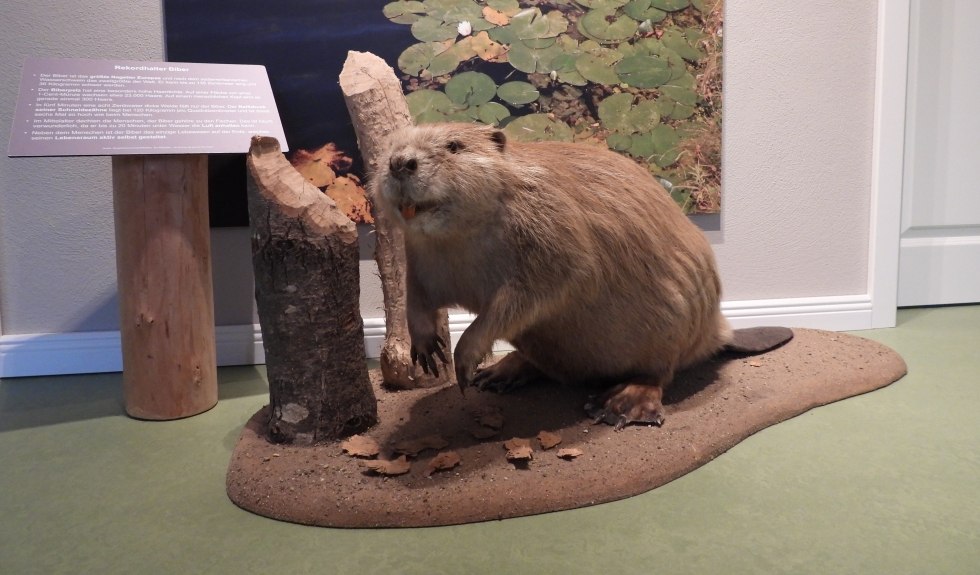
[(628, 403), (508, 374), (425, 353)]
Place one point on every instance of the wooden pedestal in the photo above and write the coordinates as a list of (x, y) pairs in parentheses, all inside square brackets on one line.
[(163, 263)]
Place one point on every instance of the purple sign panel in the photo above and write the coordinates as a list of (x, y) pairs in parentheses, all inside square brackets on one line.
[(69, 107)]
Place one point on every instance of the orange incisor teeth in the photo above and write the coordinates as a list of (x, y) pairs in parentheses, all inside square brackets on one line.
[(408, 212)]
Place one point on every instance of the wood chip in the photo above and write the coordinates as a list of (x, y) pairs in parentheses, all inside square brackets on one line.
[(569, 453), (360, 446), (548, 439), (442, 462), (398, 466), (518, 449)]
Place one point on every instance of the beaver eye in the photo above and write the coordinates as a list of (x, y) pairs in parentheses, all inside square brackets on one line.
[(454, 146)]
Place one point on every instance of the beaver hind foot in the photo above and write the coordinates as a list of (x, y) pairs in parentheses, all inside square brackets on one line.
[(512, 372), (637, 401)]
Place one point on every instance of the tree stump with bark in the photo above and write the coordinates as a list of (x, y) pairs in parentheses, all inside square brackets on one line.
[(305, 256), (377, 108)]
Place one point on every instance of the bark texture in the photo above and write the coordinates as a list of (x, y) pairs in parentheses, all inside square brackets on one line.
[(377, 108), (305, 255)]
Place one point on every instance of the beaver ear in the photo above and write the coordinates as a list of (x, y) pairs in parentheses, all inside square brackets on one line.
[(499, 138)]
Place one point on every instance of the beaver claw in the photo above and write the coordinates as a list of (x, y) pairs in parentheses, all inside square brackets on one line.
[(628, 403), (425, 355)]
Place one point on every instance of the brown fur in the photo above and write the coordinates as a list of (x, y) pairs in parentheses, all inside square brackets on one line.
[(573, 254)]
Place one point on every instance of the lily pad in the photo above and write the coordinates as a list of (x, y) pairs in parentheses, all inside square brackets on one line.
[(671, 5), (454, 11), (601, 4), (607, 26), (643, 71), (471, 89), (427, 102), (681, 90), (416, 58), (517, 93), (537, 128), (531, 23), (508, 7), (597, 66), (619, 142), (531, 60), (404, 11), (614, 112), (444, 63), (492, 113), (429, 29), (641, 10), (680, 43)]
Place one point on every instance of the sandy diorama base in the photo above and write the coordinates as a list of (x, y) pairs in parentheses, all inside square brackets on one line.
[(709, 409)]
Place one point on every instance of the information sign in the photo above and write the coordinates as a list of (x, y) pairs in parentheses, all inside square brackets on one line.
[(72, 107)]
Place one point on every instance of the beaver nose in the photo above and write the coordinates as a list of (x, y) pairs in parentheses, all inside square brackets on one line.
[(402, 167)]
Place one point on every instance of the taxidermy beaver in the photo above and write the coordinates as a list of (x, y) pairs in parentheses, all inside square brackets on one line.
[(573, 254)]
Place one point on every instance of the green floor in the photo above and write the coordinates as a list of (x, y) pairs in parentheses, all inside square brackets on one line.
[(884, 483)]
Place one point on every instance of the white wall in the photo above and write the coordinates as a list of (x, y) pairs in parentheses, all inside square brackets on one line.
[(799, 119)]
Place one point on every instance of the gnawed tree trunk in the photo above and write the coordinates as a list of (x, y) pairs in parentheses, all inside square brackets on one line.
[(305, 255), (377, 108)]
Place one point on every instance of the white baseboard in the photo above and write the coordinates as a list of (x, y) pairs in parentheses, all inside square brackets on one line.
[(940, 270), (100, 351)]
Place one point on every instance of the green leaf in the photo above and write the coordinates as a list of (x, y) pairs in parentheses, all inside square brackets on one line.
[(517, 93), (493, 113), (505, 6), (504, 35), (665, 140), (619, 142), (641, 10), (643, 71), (537, 128), (532, 61), (471, 89), (678, 42), (607, 26), (644, 116), (614, 112), (681, 90), (416, 58), (601, 4), (429, 29), (671, 5), (618, 113), (530, 24), (422, 102), (444, 63), (404, 11), (596, 65)]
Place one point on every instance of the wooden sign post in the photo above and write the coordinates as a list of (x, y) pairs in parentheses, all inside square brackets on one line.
[(157, 120), (166, 302)]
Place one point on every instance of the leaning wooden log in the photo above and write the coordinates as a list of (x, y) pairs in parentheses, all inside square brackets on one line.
[(377, 108), (305, 256)]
